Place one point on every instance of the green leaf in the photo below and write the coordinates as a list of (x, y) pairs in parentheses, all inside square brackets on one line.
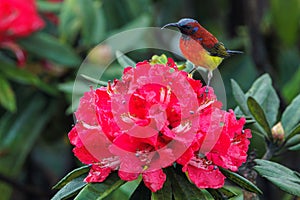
[(227, 193), (71, 175), (25, 77), (126, 190), (70, 189), (285, 17), (45, 6), (239, 97), (123, 60), (183, 189), (259, 116), (291, 89), (283, 177), (290, 117), (295, 147), (99, 31), (7, 97), (293, 141), (141, 192), (221, 193), (84, 17), (48, 47), (100, 190), (69, 23), (295, 131), (165, 193), (216, 194), (87, 16), (241, 181), (102, 83), (264, 93), (20, 133)]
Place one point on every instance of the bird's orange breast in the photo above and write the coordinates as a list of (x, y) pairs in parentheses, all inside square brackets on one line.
[(194, 52)]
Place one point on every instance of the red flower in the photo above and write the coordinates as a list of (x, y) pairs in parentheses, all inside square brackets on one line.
[(18, 18), (229, 151), (154, 116)]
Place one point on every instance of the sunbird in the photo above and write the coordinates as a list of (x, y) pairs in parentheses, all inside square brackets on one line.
[(200, 46)]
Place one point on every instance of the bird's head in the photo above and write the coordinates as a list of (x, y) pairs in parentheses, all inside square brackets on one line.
[(186, 26)]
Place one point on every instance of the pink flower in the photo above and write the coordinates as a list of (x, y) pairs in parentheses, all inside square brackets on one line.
[(154, 116)]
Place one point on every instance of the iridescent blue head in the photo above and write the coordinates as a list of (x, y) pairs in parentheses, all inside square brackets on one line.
[(186, 26)]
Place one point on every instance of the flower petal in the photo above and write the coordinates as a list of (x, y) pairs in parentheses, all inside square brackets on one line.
[(97, 174), (154, 180), (206, 178)]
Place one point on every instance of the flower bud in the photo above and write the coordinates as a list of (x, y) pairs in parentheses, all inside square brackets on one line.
[(278, 132)]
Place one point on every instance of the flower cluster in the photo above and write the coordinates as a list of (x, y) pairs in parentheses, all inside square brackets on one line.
[(18, 18), (153, 117)]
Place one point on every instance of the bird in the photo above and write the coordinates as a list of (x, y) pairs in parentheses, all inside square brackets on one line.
[(201, 47)]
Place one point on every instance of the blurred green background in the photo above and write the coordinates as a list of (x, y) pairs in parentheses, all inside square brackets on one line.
[(35, 100)]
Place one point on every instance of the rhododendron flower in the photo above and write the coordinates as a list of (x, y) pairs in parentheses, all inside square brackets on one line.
[(154, 116), (18, 18)]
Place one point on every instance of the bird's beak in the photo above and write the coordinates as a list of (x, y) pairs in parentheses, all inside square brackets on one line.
[(170, 24)]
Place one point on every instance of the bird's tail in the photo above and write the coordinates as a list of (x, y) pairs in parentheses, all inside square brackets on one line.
[(230, 52)]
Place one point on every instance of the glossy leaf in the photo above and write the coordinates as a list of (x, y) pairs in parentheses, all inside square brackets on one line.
[(264, 93), (165, 193), (239, 97), (100, 190), (221, 193), (141, 192), (281, 176), (126, 190), (293, 141), (259, 116), (241, 181), (217, 195), (48, 47), (295, 131), (295, 147), (228, 193), (124, 60), (7, 95), (70, 189), (290, 117), (71, 175)]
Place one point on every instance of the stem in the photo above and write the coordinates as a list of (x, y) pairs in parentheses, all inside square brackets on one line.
[(271, 149)]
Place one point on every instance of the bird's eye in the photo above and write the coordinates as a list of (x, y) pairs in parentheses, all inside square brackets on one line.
[(195, 29), (186, 27)]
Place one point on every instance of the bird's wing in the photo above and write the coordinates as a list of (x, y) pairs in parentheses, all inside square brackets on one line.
[(218, 50)]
